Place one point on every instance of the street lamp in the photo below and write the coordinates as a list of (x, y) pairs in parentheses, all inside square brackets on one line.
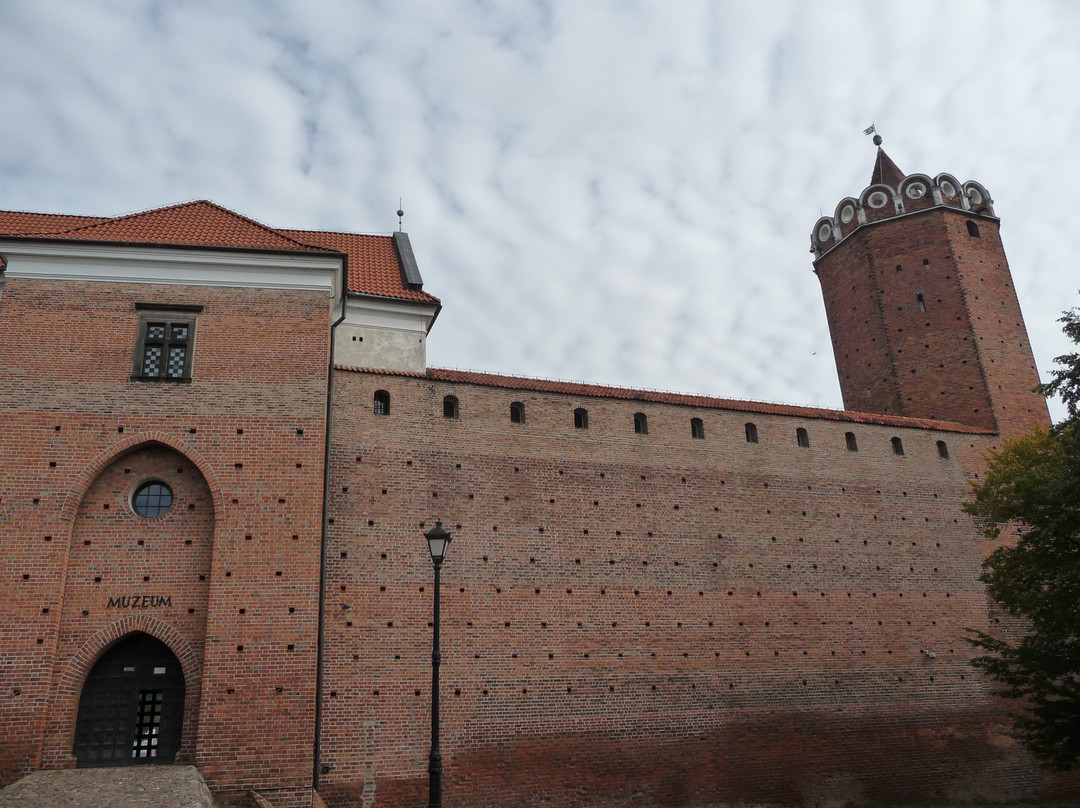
[(438, 541)]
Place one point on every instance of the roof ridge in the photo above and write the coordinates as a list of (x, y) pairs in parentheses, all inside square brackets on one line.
[(337, 232), (189, 204)]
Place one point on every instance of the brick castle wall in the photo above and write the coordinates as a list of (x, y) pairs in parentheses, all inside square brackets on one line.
[(237, 556), (652, 618)]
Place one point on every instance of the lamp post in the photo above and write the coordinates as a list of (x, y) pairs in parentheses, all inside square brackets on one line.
[(438, 541)]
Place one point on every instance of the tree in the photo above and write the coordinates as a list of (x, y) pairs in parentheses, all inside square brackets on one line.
[(1033, 483)]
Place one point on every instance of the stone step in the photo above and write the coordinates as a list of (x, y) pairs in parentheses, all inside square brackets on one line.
[(117, 787)]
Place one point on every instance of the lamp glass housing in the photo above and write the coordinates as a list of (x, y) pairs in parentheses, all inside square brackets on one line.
[(438, 540)]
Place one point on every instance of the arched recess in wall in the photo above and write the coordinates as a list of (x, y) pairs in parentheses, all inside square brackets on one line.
[(131, 690), (123, 565)]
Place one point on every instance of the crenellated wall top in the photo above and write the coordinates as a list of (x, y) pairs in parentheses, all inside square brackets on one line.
[(878, 202)]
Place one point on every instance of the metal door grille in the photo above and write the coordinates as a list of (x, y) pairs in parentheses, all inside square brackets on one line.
[(147, 724)]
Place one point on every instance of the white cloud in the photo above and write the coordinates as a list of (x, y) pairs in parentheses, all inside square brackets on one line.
[(613, 192)]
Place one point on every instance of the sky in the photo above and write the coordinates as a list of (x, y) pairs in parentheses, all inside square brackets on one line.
[(611, 192)]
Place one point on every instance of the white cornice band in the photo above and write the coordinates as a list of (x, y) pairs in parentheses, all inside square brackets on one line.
[(112, 263)]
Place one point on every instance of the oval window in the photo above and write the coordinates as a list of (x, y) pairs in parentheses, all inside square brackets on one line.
[(152, 499)]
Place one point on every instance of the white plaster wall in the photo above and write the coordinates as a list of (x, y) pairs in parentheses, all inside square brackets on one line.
[(375, 348), (384, 334)]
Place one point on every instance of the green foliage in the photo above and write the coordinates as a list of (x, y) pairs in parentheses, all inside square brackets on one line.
[(1066, 382), (1033, 483)]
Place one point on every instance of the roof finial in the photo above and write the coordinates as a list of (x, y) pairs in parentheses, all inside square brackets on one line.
[(872, 130), (400, 214)]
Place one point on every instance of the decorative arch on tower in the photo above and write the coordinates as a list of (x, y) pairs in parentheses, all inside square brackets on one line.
[(949, 191), (917, 192), (848, 215), (880, 202), (978, 198)]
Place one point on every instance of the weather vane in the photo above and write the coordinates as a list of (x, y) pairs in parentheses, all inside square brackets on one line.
[(400, 214), (872, 130)]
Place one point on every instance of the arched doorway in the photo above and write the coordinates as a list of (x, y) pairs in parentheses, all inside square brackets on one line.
[(131, 710)]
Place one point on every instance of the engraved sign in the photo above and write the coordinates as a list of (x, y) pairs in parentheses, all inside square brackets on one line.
[(138, 601)]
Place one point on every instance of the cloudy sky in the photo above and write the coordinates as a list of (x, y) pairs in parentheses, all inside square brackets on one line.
[(617, 192)]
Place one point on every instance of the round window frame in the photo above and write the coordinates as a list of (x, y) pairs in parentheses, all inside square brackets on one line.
[(142, 487)]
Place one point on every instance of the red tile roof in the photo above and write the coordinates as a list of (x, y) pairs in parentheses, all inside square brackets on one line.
[(19, 223), (682, 399), (374, 268)]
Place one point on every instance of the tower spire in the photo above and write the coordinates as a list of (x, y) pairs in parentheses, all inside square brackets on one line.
[(886, 171)]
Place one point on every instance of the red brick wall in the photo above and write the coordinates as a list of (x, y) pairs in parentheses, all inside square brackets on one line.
[(250, 425), (652, 617), (966, 358)]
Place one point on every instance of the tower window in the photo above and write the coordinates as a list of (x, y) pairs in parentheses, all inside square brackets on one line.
[(942, 450), (852, 444), (449, 407), (802, 438), (921, 301), (751, 433), (382, 402), (517, 412), (973, 229), (697, 428), (581, 418), (897, 446), (641, 423)]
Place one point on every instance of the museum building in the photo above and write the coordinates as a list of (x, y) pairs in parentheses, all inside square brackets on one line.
[(222, 447)]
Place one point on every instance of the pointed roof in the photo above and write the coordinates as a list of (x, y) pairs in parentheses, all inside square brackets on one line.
[(885, 171), (374, 266)]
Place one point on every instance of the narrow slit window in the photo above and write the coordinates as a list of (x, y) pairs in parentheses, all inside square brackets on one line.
[(382, 402), (897, 446), (517, 412), (697, 428), (942, 450), (751, 433), (973, 230), (581, 418), (450, 407), (852, 444), (921, 302), (802, 438), (641, 423)]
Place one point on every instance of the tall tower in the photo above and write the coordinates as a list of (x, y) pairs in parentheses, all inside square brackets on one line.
[(922, 310)]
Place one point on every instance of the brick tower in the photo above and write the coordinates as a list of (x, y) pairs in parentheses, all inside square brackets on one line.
[(923, 314)]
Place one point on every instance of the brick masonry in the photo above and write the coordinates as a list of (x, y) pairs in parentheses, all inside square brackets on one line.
[(631, 615), (238, 554), (653, 617)]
